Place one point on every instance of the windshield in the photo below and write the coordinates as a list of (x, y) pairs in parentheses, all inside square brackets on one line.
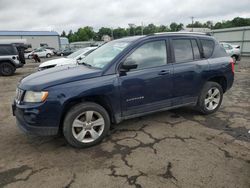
[(104, 54), (77, 53)]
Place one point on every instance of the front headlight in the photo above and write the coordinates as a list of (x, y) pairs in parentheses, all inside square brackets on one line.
[(32, 96)]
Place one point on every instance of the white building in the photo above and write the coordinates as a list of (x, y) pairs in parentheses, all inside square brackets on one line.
[(34, 38), (197, 29), (235, 35)]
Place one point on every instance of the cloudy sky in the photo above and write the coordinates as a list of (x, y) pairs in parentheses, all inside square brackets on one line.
[(61, 15)]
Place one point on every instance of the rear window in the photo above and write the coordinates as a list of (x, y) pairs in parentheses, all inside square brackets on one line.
[(7, 50), (208, 47)]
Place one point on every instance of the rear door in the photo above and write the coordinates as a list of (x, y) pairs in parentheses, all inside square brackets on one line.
[(148, 87), (189, 67)]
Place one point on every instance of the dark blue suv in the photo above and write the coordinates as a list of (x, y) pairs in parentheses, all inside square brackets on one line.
[(123, 79)]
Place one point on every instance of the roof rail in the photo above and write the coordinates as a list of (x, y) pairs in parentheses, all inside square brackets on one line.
[(185, 32)]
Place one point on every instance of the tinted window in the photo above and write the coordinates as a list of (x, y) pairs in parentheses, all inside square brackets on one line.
[(7, 50), (151, 54), (195, 49), (208, 46), (182, 50)]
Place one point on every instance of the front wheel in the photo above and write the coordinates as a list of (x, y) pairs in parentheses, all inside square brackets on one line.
[(86, 124), (48, 55), (210, 98), (7, 69)]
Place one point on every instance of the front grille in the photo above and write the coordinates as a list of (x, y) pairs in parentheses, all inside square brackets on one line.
[(19, 95)]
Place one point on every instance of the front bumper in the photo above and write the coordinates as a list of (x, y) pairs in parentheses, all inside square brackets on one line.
[(26, 121)]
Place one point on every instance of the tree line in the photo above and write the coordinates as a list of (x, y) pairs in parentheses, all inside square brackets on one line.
[(87, 33)]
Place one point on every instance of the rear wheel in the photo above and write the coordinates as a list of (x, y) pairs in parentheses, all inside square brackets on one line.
[(7, 69), (210, 98), (48, 55), (86, 125)]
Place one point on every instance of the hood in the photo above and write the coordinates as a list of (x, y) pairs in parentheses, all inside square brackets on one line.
[(58, 75), (58, 62)]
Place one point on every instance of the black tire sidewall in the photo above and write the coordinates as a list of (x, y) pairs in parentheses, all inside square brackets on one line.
[(73, 113), (12, 69), (201, 100)]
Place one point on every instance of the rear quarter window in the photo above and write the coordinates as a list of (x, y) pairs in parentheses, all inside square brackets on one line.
[(208, 47), (7, 50)]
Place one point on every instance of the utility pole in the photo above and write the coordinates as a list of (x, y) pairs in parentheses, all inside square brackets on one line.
[(142, 28), (192, 23), (112, 33)]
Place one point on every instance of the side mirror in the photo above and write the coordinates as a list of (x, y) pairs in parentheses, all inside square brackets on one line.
[(127, 65)]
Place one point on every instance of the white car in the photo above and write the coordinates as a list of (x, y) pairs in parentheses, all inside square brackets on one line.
[(71, 59), (40, 52), (232, 50)]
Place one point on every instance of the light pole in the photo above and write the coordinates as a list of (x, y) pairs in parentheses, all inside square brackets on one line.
[(112, 33), (192, 23), (142, 28)]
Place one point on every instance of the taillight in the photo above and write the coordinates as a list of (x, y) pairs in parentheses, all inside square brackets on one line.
[(232, 64)]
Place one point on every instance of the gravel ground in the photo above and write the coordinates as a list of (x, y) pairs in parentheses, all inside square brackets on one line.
[(177, 148)]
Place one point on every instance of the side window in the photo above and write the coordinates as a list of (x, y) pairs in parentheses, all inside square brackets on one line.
[(208, 47), (151, 54), (196, 51), (7, 50), (182, 50)]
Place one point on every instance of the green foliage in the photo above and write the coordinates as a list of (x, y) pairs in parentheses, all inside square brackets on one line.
[(87, 33), (236, 22)]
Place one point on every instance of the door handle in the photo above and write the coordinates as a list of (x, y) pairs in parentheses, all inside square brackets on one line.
[(164, 72)]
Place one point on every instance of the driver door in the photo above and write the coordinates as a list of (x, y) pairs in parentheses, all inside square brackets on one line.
[(147, 87)]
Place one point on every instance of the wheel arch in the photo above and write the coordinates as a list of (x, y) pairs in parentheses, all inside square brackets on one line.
[(98, 99), (7, 61), (220, 80)]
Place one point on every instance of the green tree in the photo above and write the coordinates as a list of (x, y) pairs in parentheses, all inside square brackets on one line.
[(63, 34), (176, 27)]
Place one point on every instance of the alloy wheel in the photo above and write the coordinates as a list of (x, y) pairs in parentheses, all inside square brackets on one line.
[(212, 99), (88, 126)]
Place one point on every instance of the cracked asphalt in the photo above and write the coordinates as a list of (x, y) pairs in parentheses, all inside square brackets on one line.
[(176, 148)]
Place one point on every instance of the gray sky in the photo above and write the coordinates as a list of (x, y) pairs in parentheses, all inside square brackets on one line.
[(71, 14)]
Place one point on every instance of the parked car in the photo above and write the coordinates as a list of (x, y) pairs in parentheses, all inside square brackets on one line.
[(65, 52), (123, 79), (52, 49), (41, 52), (232, 50), (71, 59), (10, 59)]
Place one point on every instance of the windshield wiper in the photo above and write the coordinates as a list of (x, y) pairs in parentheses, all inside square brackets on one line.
[(86, 64)]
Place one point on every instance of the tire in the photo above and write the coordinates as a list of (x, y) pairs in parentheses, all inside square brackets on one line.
[(61, 54), (29, 57), (48, 55), (78, 132), (234, 59), (7, 69), (208, 102)]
